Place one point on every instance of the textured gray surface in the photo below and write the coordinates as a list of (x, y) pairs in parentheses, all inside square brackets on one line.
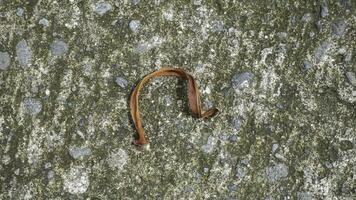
[(282, 74)]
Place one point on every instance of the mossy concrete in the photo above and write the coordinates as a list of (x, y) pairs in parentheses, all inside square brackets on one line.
[(287, 131)]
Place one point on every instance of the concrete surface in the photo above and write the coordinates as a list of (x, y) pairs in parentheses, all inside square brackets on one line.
[(282, 74)]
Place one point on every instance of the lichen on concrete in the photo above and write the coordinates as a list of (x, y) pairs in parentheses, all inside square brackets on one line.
[(281, 73)]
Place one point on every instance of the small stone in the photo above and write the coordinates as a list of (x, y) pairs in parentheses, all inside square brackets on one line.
[(245, 162), (206, 169), (321, 51), (311, 34), (134, 25), (352, 78), (32, 106), (4, 60), (24, 53), (354, 93), (17, 171), (241, 171), (324, 11), (223, 137), (269, 198), (276, 172), (217, 26), (5, 159), (209, 146), (236, 123), (118, 159), (274, 147), (50, 174), (233, 138), (77, 152), (102, 7), (303, 196), (44, 22), (48, 165), (232, 187), (19, 12), (241, 80), (338, 27), (121, 82), (307, 65), (168, 14), (197, 2), (59, 48), (293, 21), (348, 56), (280, 156), (76, 181), (319, 25), (135, 2)]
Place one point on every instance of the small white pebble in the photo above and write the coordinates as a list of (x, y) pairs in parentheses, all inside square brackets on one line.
[(354, 93), (19, 12), (44, 22), (134, 25)]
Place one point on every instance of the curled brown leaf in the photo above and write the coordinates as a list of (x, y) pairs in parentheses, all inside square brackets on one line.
[(193, 98)]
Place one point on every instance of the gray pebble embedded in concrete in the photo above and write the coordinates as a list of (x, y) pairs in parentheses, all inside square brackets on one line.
[(134, 25), (223, 137), (59, 48), (241, 80), (236, 123), (245, 161), (19, 12), (32, 106), (274, 147), (241, 171), (321, 51), (232, 187), (352, 78), (23, 53), (276, 172), (121, 82), (48, 165), (354, 93), (77, 152), (50, 174), (338, 27), (135, 2), (44, 22), (307, 65), (233, 138), (209, 146), (304, 196), (4, 60), (348, 56), (102, 7), (217, 26), (324, 11)]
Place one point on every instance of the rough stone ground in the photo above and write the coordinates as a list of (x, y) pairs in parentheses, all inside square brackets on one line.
[(282, 74)]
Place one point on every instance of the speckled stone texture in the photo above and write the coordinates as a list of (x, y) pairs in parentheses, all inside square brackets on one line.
[(282, 74)]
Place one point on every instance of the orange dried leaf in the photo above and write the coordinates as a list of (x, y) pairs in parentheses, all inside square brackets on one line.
[(193, 97)]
